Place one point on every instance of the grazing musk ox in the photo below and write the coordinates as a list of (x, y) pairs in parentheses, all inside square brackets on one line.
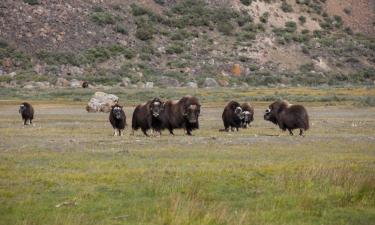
[(147, 116), (118, 119), (232, 116), (27, 112), (248, 115), (181, 114), (287, 116)]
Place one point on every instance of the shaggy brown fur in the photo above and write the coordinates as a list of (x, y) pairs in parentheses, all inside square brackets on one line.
[(287, 116), (117, 119), (248, 114), (181, 114), (146, 116), (232, 116), (27, 112)]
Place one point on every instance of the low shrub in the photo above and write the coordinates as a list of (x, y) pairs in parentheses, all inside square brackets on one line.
[(286, 7), (246, 2), (102, 18)]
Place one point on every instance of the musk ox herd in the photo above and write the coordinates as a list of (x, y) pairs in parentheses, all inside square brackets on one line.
[(157, 115)]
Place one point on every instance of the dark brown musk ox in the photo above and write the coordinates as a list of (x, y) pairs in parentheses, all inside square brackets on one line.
[(117, 119), (248, 115), (85, 84), (27, 112), (288, 116), (181, 114), (232, 116), (147, 116)]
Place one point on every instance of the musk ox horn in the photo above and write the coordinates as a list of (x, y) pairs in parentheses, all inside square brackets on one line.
[(193, 107), (238, 110)]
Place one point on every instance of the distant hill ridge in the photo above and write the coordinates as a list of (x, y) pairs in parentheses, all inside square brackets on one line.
[(306, 42)]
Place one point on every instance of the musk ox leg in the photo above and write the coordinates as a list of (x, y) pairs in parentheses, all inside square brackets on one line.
[(115, 132), (301, 133), (171, 131), (188, 132), (25, 122), (290, 132), (145, 132)]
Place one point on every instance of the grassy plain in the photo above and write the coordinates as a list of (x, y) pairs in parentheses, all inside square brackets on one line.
[(69, 169)]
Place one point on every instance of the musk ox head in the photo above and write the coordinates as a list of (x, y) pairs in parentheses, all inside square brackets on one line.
[(239, 113), (156, 107), (192, 113), (246, 116), (271, 114), (117, 111), (22, 108)]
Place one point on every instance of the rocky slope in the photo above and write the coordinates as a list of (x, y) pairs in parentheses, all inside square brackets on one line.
[(172, 43)]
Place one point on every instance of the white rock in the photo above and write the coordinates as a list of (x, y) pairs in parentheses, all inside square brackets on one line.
[(101, 102), (149, 85), (210, 82)]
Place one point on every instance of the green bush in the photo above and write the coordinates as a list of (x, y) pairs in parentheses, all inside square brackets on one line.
[(306, 67), (121, 29), (176, 48), (180, 34), (102, 18), (160, 2), (264, 17), (246, 2), (58, 58), (32, 2), (19, 58), (290, 26), (302, 20), (286, 7), (244, 19), (145, 30), (245, 36), (226, 28), (138, 10)]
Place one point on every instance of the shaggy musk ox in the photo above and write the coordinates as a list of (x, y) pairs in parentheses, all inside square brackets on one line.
[(248, 115), (147, 116), (27, 112), (85, 84), (232, 116), (181, 114), (118, 119), (288, 117)]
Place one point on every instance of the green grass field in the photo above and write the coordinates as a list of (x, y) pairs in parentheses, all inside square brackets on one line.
[(69, 169)]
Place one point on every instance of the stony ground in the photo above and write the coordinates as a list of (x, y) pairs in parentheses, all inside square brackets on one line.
[(69, 169)]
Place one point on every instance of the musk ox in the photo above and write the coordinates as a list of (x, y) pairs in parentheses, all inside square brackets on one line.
[(181, 114), (85, 84), (118, 119), (232, 116), (248, 115), (27, 112), (147, 116), (288, 116)]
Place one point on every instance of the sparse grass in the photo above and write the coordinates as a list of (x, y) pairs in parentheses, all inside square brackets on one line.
[(69, 159), (103, 18)]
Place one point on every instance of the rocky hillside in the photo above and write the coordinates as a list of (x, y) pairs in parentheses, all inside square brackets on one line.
[(177, 43)]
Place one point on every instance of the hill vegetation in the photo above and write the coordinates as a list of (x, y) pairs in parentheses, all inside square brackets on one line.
[(289, 42)]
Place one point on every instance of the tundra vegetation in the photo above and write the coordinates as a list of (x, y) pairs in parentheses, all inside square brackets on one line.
[(69, 169)]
